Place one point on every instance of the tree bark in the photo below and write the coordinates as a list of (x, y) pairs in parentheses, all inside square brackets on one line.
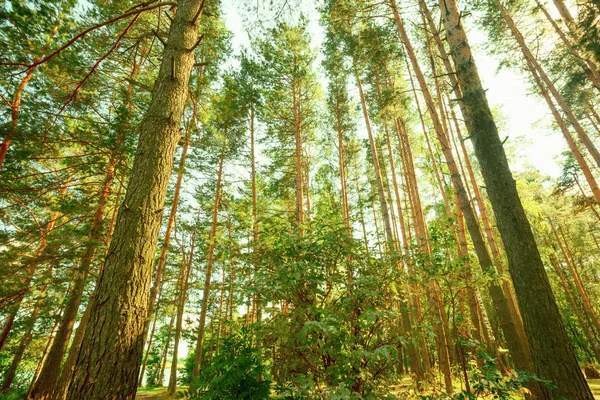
[(112, 348), (553, 356), (516, 342)]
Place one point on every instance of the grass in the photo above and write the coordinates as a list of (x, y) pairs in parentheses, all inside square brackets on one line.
[(156, 393), (595, 386)]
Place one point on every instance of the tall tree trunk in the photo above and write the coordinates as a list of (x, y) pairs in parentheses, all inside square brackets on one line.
[(24, 343), (553, 356), (162, 259), (209, 265), (583, 322), (163, 359), (184, 273), (46, 382), (15, 107), (298, 155), (516, 342), (112, 348), (583, 294), (586, 64), (380, 189), (30, 269), (342, 162)]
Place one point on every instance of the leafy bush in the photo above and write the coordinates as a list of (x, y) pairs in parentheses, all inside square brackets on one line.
[(236, 372), (487, 382)]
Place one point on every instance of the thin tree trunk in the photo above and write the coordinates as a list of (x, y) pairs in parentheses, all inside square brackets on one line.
[(186, 267), (163, 360), (380, 189), (592, 340), (29, 272), (530, 58), (24, 343), (209, 265), (46, 382), (586, 64), (15, 107)]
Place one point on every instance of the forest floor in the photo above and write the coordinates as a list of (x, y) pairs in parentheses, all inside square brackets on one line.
[(161, 393)]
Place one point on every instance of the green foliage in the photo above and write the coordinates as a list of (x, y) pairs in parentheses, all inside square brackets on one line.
[(236, 372), (487, 382)]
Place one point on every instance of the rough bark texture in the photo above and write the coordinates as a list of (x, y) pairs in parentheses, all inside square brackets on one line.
[(112, 347), (552, 355), (516, 343)]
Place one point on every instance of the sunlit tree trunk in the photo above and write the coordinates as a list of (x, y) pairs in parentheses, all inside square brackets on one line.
[(184, 276), (553, 356), (209, 265), (516, 343), (111, 352)]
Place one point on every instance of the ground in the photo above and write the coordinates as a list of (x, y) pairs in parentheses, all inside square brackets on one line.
[(161, 393)]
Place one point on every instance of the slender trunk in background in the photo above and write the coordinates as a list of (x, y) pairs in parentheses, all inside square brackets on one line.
[(342, 163), (553, 356), (163, 359), (112, 348), (221, 298), (29, 272), (583, 294), (184, 273), (15, 107), (579, 157), (257, 301), (298, 155), (583, 322), (585, 63), (9, 375), (209, 265), (380, 189), (532, 60)]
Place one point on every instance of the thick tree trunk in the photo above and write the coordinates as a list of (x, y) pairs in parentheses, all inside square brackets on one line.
[(47, 380), (553, 356), (112, 348), (162, 259), (516, 342)]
